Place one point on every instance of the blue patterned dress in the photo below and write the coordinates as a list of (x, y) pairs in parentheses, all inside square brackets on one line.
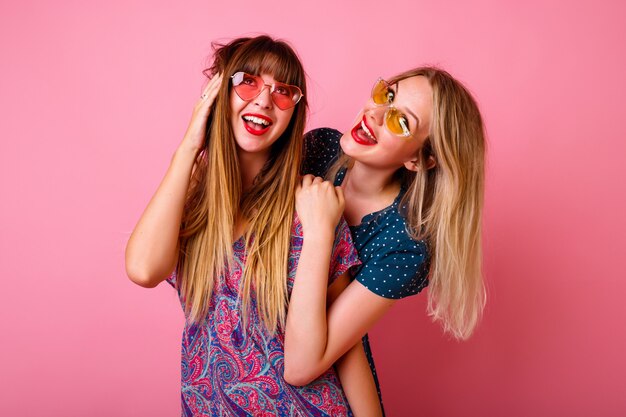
[(226, 371)]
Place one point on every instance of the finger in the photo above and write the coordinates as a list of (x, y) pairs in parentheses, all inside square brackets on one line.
[(307, 180), (318, 180), (215, 80), (212, 88), (213, 93), (340, 196)]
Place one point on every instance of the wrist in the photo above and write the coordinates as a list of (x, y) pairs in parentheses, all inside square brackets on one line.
[(186, 151), (319, 235)]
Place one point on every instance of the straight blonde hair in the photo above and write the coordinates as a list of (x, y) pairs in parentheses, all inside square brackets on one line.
[(216, 198), (443, 205)]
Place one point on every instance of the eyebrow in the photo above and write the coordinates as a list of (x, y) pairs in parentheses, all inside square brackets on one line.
[(408, 110)]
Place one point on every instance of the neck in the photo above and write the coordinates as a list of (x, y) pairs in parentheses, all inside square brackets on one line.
[(250, 165), (368, 182)]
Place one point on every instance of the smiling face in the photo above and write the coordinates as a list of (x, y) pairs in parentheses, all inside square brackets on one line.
[(372, 143), (258, 123)]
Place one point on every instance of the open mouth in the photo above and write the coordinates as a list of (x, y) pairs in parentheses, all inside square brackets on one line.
[(362, 134), (256, 124)]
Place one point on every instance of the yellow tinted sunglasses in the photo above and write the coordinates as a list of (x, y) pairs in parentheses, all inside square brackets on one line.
[(395, 122)]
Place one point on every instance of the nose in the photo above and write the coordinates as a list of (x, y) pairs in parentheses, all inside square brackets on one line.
[(375, 113), (264, 99)]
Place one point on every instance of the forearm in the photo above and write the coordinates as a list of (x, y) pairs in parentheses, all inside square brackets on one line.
[(349, 317), (306, 329), (151, 252), (358, 382)]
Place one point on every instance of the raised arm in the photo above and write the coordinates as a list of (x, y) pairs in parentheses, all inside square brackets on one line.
[(316, 338), (152, 249)]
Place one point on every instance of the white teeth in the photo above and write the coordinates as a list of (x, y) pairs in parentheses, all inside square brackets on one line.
[(367, 131), (256, 120)]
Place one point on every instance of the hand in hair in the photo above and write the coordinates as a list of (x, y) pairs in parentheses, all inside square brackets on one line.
[(196, 131), (319, 205), (152, 249)]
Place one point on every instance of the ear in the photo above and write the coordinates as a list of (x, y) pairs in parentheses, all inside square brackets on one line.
[(415, 166), (412, 165), (431, 162)]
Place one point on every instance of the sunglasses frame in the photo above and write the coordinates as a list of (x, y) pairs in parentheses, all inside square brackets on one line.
[(272, 89), (390, 110)]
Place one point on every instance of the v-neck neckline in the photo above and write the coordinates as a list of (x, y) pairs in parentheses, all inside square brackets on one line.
[(366, 219)]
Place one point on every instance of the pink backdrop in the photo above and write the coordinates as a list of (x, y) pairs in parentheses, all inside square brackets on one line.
[(95, 96)]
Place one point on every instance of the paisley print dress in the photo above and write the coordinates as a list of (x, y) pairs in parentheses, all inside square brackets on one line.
[(229, 371)]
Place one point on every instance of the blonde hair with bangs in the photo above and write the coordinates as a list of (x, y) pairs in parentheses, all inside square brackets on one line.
[(443, 205), (216, 197)]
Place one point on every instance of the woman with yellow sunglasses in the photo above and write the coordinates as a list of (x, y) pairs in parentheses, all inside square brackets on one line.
[(411, 173)]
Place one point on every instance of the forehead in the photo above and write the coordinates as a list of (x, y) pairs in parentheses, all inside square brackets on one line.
[(266, 78), (416, 94), (279, 68)]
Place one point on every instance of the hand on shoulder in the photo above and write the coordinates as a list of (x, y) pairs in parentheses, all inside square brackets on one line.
[(319, 205)]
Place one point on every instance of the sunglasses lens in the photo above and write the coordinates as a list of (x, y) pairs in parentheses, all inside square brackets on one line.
[(286, 96), (396, 122), (247, 86), (380, 92)]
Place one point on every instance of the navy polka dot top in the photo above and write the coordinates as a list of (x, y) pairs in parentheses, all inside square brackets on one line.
[(393, 265)]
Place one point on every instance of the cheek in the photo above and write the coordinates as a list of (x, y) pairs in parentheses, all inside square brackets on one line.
[(411, 147), (237, 104), (399, 150), (284, 117)]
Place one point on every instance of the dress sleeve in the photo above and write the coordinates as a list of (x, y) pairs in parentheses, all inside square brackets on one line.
[(321, 147), (397, 272), (344, 255)]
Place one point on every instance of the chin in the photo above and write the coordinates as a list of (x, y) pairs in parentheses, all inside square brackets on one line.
[(251, 145), (248, 147), (346, 142)]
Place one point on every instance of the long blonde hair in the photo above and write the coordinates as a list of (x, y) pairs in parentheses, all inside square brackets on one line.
[(443, 205), (216, 197)]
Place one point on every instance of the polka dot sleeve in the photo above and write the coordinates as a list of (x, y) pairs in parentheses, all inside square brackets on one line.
[(397, 272), (321, 147)]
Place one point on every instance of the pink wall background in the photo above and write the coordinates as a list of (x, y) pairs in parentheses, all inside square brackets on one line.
[(94, 97)]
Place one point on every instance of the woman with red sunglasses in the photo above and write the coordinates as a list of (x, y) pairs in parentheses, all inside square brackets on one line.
[(411, 173), (223, 219)]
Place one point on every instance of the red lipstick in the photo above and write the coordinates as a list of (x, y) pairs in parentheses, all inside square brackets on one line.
[(360, 136), (256, 124)]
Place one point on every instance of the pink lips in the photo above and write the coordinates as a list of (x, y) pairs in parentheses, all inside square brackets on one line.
[(360, 136), (252, 127)]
